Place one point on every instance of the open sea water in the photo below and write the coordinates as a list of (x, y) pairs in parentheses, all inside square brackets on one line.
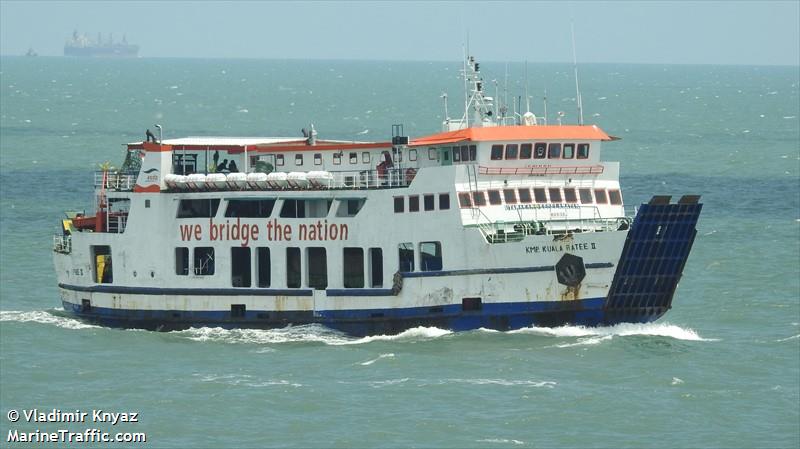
[(722, 369)]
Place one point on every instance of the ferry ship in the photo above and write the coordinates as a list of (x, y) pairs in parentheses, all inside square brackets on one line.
[(494, 222), (81, 45)]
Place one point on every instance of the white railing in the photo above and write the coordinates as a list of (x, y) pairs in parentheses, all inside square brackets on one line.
[(62, 243), (370, 179), (121, 181), (502, 231)]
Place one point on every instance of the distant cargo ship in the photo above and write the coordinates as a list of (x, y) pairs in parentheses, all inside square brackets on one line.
[(81, 45)]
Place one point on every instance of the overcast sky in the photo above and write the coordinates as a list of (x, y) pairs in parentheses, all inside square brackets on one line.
[(716, 32)]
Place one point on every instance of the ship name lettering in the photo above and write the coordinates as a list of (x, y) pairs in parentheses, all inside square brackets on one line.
[(275, 231), (588, 246)]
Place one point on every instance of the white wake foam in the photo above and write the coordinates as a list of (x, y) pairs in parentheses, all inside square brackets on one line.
[(619, 330), (500, 441), (794, 337), (245, 380), (44, 317), (311, 333)]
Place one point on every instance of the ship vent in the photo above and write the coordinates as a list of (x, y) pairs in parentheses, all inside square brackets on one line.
[(238, 310), (471, 304)]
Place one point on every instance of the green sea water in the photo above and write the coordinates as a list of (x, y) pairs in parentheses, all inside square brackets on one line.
[(722, 369)]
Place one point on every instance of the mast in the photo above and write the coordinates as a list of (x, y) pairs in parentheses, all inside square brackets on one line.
[(578, 99)]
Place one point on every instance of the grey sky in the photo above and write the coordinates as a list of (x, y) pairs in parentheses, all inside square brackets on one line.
[(721, 32)]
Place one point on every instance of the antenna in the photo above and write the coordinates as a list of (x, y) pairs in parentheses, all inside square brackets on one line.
[(545, 106), (527, 97), (466, 92), (446, 115), (578, 99)]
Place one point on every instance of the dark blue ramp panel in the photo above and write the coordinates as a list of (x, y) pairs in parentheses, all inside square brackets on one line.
[(652, 260)]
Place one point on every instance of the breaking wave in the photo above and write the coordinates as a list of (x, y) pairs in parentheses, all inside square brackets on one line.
[(50, 317)]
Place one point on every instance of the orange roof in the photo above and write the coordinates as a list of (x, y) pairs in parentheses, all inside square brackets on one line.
[(504, 133)]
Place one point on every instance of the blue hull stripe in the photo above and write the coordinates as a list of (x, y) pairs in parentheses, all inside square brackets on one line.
[(422, 274), (359, 292), (501, 316)]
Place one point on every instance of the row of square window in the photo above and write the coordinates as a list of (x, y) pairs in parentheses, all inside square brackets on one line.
[(540, 150), (354, 263), (540, 195), (427, 202), (366, 157)]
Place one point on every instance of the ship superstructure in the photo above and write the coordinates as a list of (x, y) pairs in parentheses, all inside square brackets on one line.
[(485, 224)]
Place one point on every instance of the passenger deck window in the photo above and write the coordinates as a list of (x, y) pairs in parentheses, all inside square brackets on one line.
[(353, 264), (583, 150), (554, 151), (511, 151), (204, 261), (473, 152), (569, 151), (182, 261), (263, 265), (240, 266), (429, 202), (365, 157), (317, 268), (349, 207), (376, 267), (464, 153), (510, 196), (497, 152), (279, 160), (586, 196), (337, 158), (540, 150), (525, 151), (250, 208), (456, 154), (444, 201), (569, 195), (600, 196), (203, 208), (430, 256), (524, 195), (478, 198), (354, 158), (413, 203), (298, 159), (317, 158), (293, 209), (412, 155), (405, 253), (463, 200), (399, 204), (494, 197), (555, 194), (615, 197), (293, 269), (539, 195), (432, 154)]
